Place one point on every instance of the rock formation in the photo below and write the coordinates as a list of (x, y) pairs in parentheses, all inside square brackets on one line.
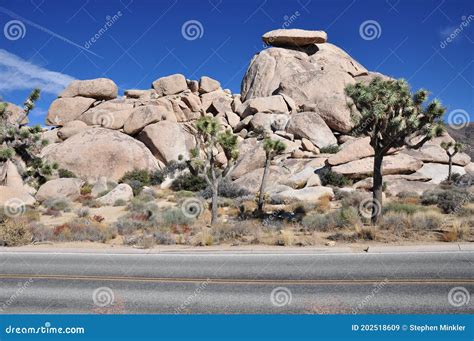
[(293, 90)]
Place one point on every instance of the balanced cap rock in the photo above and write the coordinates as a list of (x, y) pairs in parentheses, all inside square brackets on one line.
[(294, 37)]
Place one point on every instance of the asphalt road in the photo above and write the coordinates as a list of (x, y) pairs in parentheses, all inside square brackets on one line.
[(408, 282)]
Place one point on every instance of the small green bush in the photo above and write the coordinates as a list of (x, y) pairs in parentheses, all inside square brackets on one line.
[(230, 232), (64, 173), (430, 197), (59, 204), (451, 201), (120, 202), (346, 217), (175, 216), (127, 225), (399, 207), (427, 221), (188, 182), (318, 222), (136, 178), (83, 212), (86, 189), (330, 178), (83, 229), (397, 222), (227, 189), (333, 149), (164, 238)]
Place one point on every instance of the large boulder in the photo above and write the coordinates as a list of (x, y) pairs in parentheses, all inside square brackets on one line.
[(15, 199), (170, 85), (438, 172), (322, 91), (121, 192), (109, 114), (251, 181), (392, 164), (352, 150), (274, 65), (167, 140), (294, 37), (71, 128), (270, 104), (143, 116), (251, 157), (308, 194), (311, 126), (100, 152), (207, 84), (100, 88), (63, 188), (15, 114), (63, 110)]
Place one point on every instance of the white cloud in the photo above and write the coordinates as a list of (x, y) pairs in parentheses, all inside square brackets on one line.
[(19, 74)]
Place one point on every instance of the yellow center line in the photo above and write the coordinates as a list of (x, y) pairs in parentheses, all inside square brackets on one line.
[(242, 281)]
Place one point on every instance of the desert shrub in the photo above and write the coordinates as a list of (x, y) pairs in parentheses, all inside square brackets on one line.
[(317, 222), (430, 197), (346, 217), (427, 221), (57, 204), (450, 201), (400, 207), (175, 216), (141, 175), (127, 225), (83, 212), (333, 149), (365, 233), (353, 199), (458, 231), (82, 229), (65, 173), (86, 189), (286, 238), (90, 202), (157, 177), (340, 236), (136, 179), (41, 233), (397, 222), (164, 238), (328, 177), (120, 202), (15, 232), (188, 182), (230, 232), (227, 189)]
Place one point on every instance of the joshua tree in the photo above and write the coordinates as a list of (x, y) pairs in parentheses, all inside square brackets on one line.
[(205, 160), (451, 149), (20, 142), (272, 148), (393, 117)]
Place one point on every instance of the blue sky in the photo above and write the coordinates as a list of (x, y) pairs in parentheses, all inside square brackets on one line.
[(52, 43)]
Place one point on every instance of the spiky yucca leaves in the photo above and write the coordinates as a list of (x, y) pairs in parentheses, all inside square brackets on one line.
[(210, 139), (22, 142), (451, 148), (272, 148), (393, 117)]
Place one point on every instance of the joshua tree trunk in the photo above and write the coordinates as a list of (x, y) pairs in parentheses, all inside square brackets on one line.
[(215, 190), (450, 166), (377, 188), (261, 196)]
